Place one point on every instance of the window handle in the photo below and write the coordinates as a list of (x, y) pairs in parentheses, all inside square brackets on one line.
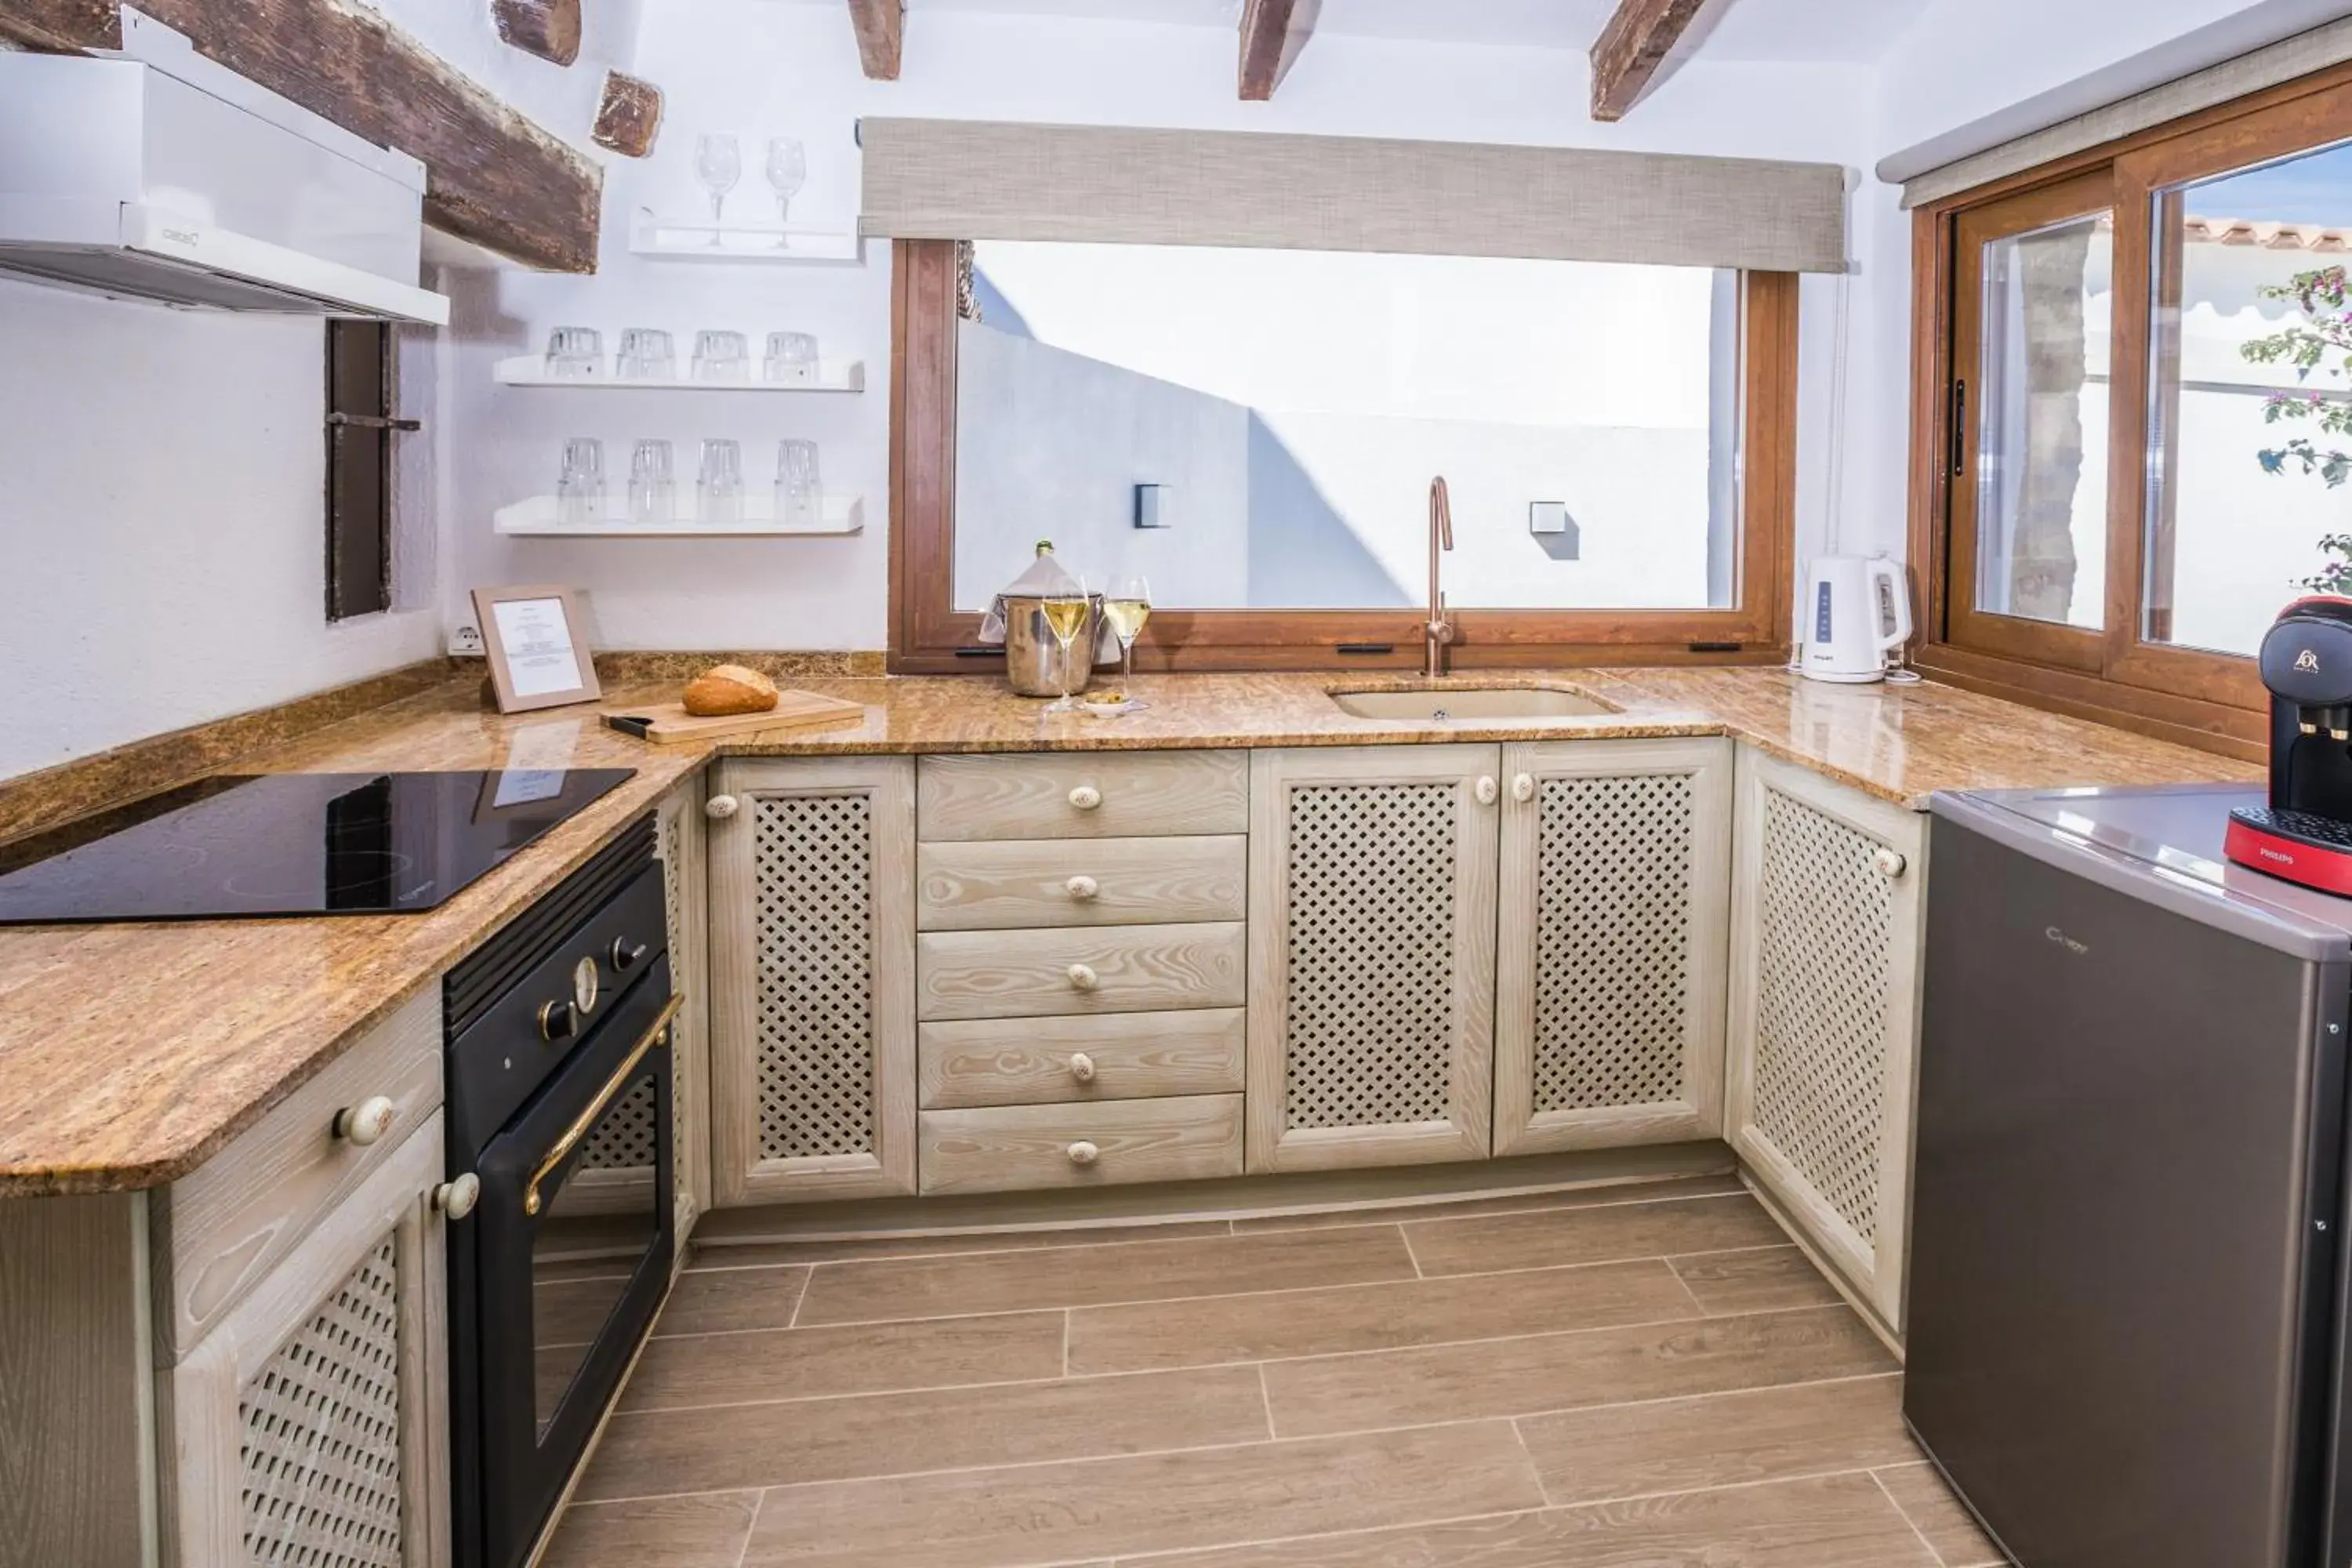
[(375, 422), (1959, 429)]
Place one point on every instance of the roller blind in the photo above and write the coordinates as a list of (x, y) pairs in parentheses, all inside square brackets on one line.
[(940, 179), (2145, 111)]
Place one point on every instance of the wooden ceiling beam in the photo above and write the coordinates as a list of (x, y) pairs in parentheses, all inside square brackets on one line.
[(1272, 32), (1632, 49), (881, 27), (492, 177)]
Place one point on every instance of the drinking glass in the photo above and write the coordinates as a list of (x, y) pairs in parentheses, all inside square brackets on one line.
[(646, 355), (720, 356), (1066, 616), (580, 487), (718, 163), (721, 482), (797, 484), (653, 485), (575, 352), (1127, 604), (787, 172), (792, 357)]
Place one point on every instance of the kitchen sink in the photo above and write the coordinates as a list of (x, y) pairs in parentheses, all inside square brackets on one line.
[(1471, 704)]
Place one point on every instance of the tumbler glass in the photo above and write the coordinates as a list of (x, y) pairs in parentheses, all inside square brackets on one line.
[(797, 491), (721, 482), (653, 484)]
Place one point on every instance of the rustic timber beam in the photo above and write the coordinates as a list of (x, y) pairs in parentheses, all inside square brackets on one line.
[(628, 115), (881, 35), (492, 177), (1272, 32), (547, 28), (1631, 50)]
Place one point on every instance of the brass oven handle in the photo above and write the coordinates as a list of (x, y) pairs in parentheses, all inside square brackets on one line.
[(653, 1036)]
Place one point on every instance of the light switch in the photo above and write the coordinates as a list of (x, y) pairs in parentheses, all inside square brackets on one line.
[(1547, 517), (1151, 507)]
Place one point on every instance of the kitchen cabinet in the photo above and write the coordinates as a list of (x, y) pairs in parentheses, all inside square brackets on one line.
[(1827, 924), (1609, 968), (1371, 955), (811, 964)]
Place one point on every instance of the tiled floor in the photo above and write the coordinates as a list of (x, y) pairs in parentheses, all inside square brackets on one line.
[(1637, 1376)]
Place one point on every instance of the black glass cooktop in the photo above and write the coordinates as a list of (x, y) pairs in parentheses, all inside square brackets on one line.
[(289, 844)]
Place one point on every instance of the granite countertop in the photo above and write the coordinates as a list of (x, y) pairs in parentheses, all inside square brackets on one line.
[(129, 1054)]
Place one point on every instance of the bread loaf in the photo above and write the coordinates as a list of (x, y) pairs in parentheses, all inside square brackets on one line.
[(728, 689)]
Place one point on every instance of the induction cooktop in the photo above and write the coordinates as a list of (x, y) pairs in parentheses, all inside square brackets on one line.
[(289, 844)]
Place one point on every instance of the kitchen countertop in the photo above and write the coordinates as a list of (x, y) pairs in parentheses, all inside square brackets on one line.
[(129, 1054)]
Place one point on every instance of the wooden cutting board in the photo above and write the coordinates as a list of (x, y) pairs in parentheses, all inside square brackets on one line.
[(669, 725)]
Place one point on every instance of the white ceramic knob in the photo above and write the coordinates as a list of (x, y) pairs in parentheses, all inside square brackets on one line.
[(1082, 1067), (367, 1121), (1889, 863), (1084, 1154), (722, 806), (1085, 797), (1083, 888), (457, 1199), (1523, 788), (1083, 978), (1488, 789)]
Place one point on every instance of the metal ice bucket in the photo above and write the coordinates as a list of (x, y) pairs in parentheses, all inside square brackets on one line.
[(1033, 660)]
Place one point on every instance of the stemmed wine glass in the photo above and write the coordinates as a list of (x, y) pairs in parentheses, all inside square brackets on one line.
[(718, 163), (1065, 613), (787, 172), (1127, 604)]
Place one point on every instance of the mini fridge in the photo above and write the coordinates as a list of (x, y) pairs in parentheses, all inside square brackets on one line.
[(2125, 1343)]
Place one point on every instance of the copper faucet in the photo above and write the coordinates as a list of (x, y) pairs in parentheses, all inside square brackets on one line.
[(1440, 629)]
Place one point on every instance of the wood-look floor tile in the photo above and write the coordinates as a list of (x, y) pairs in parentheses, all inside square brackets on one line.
[(732, 1299), (1831, 1522), (1373, 1317), (1089, 1276), (1516, 1202), (1764, 1280), (1043, 1513), (1720, 1440), (650, 1452), (1568, 1371), (1598, 1233), (855, 1358), (1920, 1493), (826, 1249), (705, 1532)]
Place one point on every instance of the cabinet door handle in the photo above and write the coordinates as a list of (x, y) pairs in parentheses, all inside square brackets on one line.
[(1487, 789), (1083, 888), (720, 806), (457, 1199), (1084, 1154), (1523, 788), (367, 1121), (1085, 797), (1082, 1067), (1082, 978), (1889, 863)]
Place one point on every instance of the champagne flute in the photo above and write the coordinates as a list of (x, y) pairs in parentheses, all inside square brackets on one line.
[(1127, 604), (787, 172), (1065, 613), (718, 163)]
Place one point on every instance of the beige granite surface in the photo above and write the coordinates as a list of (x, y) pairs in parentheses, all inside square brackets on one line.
[(130, 1053)]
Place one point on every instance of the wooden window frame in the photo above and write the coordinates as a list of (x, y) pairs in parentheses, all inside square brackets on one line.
[(2203, 699), (363, 408), (928, 636)]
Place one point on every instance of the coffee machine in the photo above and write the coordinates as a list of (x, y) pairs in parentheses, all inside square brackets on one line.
[(2304, 835)]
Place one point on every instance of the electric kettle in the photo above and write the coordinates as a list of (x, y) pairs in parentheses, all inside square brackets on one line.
[(1857, 607)]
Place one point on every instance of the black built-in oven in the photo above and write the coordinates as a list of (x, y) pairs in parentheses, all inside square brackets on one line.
[(557, 1046)]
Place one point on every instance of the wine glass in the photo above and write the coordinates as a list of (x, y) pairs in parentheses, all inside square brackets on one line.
[(1127, 604), (787, 172), (718, 163), (1065, 615)]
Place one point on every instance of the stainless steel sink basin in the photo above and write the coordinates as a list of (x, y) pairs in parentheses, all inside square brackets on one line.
[(1470, 705)]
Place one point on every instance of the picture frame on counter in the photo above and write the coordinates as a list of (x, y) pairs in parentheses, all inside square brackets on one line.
[(535, 639)]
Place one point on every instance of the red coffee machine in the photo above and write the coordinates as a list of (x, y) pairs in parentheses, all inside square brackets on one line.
[(2305, 832)]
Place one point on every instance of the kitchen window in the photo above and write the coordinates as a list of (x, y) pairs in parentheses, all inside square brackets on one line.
[(2134, 416)]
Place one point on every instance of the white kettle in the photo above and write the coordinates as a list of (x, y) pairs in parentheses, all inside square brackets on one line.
[(1857, 607)]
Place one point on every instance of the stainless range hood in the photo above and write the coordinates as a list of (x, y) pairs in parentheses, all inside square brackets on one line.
[(155, 174)]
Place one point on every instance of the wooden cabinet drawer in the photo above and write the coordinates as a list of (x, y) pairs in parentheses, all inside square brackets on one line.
[(1090, 794), (229, 1222), (1020, 883), (1045, 973), (1122, 1055), (1027, 1147)]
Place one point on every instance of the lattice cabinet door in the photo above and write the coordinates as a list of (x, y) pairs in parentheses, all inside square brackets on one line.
[(310, 1425), (811, 966), (1371, 955), (1609, 989), (1828, 903)]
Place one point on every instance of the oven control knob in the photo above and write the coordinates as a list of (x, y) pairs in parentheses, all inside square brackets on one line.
[(367, 1121), (558, 1020), (627, 954), (457, 1199)]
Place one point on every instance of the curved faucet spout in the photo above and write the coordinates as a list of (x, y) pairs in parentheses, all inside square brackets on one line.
[(1439, 628)]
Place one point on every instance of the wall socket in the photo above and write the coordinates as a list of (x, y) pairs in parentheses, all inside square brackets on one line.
[(466, 641)]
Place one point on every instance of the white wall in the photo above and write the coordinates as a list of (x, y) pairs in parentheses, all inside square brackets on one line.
[(759, 67)]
